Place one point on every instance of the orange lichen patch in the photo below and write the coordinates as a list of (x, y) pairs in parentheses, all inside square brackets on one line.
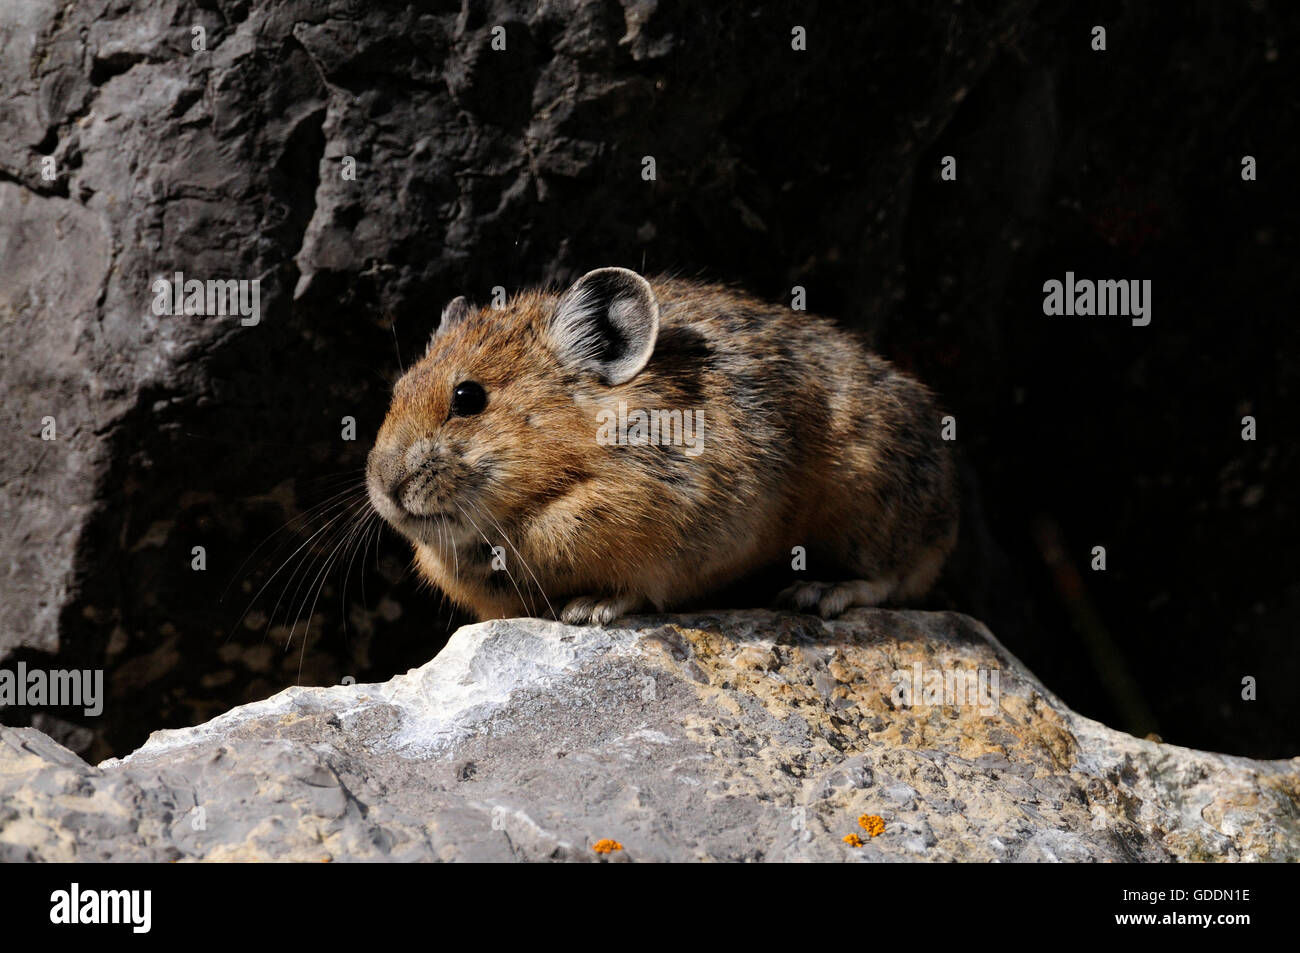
[(755, 657), (873, 824), (1286, 786), (844, 692), (606, 846), (853, 840)]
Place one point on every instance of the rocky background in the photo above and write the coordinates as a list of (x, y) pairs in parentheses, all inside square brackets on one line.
[(478, 168)]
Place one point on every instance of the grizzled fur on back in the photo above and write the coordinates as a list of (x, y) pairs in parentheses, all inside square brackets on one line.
[(807, 439)]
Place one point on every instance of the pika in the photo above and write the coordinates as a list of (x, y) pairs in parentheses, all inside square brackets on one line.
[(633, 444)]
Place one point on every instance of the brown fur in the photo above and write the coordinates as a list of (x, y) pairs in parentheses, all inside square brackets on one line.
[(809, 440)]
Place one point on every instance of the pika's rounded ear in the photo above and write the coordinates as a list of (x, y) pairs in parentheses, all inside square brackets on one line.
[(607, 324), (457, 310)]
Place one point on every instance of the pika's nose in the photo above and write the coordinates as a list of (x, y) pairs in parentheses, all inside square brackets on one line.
[(418, 456), (408, 469), (391, 470)]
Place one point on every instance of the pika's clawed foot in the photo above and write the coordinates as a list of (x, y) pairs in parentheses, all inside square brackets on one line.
[(588, 610), (829, 599)]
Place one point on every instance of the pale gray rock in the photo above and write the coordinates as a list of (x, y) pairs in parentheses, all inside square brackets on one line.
[(739, 736)]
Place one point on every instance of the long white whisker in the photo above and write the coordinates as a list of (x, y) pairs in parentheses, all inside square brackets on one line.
[(310, 513), (455, 551), (488, 516), (442, 524), (341, 548), (309, 563), (509, 575), (280, 569), (361, 539), (318, 582)]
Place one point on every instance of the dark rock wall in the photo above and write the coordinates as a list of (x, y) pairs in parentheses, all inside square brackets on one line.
[(477, 168)]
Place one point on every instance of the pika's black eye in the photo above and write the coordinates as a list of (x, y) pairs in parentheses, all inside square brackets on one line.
[(467, 399)]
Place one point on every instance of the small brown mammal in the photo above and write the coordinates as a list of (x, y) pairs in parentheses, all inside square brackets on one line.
[(635, 444)]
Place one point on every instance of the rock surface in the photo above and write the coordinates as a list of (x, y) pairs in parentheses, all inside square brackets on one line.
[(738, 736)]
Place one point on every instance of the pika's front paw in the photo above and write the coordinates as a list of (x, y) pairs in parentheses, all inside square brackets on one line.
[(830, 599), (588, 610)]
